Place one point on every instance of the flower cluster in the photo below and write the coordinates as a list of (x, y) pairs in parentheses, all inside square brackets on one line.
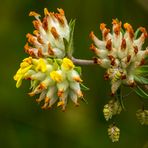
[(49, 35), (114, 133), (112, 108), (52, 74), (142, 116), (54, 80), (54, 77), (120, 53)]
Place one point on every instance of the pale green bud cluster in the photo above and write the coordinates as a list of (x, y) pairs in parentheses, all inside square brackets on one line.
[(142, 116), (114, 133), (112, 108), (55, 80)]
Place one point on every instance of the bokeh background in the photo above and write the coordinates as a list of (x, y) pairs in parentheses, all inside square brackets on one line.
[(22, 123)]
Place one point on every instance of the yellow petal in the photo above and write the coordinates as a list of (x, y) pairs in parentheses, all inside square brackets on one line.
[(67, 64), (56, 76), (41, 65)]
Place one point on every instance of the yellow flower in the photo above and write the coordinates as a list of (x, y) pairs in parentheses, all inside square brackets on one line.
[(20, 74), (67, 64), (41, 66), (56, 76)]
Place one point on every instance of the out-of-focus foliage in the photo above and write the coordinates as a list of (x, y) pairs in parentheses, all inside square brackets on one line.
[(22, 122)]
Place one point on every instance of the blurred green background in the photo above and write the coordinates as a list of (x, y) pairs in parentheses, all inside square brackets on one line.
[(22, 123)]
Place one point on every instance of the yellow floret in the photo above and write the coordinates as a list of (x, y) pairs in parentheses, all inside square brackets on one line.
[(20, 75), (41, 65), (56, 76), (67, 64)]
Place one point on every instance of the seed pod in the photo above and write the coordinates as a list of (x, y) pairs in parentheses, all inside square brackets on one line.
[(142, 116), (114, 133)]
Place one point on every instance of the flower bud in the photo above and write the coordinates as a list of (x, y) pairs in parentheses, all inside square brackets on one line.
[(142, 116), (114, 133), (112, 108)]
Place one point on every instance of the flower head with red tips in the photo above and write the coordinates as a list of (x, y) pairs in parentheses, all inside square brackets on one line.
[(49, 36), (121, 53)]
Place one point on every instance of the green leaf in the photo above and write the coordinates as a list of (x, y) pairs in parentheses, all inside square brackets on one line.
[(65, 44), (136, 33), (70, 43), (141, 80), (142, 71), (140, 92), (83, 87), (78, 69)]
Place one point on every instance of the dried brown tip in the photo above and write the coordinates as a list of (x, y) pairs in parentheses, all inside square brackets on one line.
[(26, 47), (142, 62), (123, 77), (36, 32), (105, 33), (131, 83), (40, 53), (45, 23), (39, 39), (102, 26), (106, 76), (129, 28), (91, 35), (143, 30), (36, 24), (50, 51), (33, 13), (54, 33), (109, 45), (61, 11), (112, 60), (128, 58), (97, 61), (123, 44), (59, 18), (135, 49), (92, 47)]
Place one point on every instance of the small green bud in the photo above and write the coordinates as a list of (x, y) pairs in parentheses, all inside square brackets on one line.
[(142, 116), (112, 108), (107, 110), (114, 133)]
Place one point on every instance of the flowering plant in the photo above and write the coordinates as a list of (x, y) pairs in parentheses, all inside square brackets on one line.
[(52, 71)]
